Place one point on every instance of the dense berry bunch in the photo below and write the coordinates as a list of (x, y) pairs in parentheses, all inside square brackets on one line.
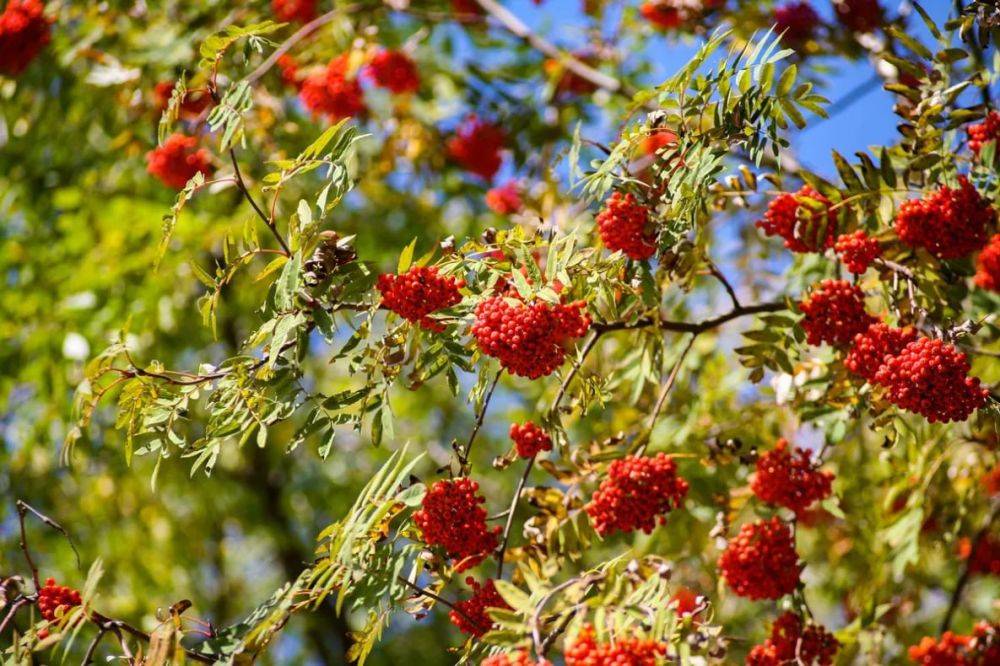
[(787, 478), (875, 346), (177, 160), (288, 67), (930, 377), (52, 598), (394, 71), (834, 313), (452, 516), (988, 266), (636, 494), (804, 219), (527, 339), (622, 225), (949, 223), (761, 562), (505, 199), (584, 650), (24, 32), (302, 11), (983, 556), (857, 250), (795, 21), (991, 481), (859, 15), (981, 648), (984, 132), (192, 106), (529, 439), (476, 146), (470, 616), (332, 92), (792, 643), (419, 292), (671, 14), (519, 658)]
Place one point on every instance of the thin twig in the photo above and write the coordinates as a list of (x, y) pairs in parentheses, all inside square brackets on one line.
[(253, 204), (436, 597), (963, 580), (717, 274), (588, 346), (22, 509), (14, 607), (463, 455), (88, 658), (661, 400), (693, 327), (510, 515)]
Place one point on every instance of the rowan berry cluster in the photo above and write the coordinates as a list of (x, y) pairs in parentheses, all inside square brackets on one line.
[(672, 14), (288, 67), (804, 219), (24, 32), (834, 313), (527, 339), (191, 106), (470, 615), (419, 292), (787, 478), (988, 266), (395, 71), (452, 516), (984, 132), (859, 15), (983, 556), (796, 22), (529, 439), (177, 160), (857, 250), (584, 650), (981, 648), (476, 147), (761, 562), (793, 642), (519, 658), (54, 600), (505, 199), (948, 223), (302, 11), (622, 225), (333, 91), (874, 346), (637, 493)]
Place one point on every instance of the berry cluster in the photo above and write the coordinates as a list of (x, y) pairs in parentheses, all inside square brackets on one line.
[(476, 147), (332, 92), (983, 556), (451, 516), (470, 616), (788, 478), (984, 132), (519, 658), (192, 106), (795, 22), (791, 642), (672, 14), (686, 601), (949, 223), (527, 339), (857, 250), (859, 15), (622, 226), (874, 346), (529, 439), (803, 219), (834, 313), (761, 562), (24, 32), (288, 67), (930, 377), (654, 141), (394, 71), (505, 199), (302, 11), (54, 600), (981, 648), (584, 650), (988, 266), (636, 494), (177, 160), (419, 292)]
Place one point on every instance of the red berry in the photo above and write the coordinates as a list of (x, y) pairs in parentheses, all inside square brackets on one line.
[(796, 22), (789, 479), (505, 199), (622, 226), (859, 15), (671, 14), (761, 562), (476, 147), (637, 494), (302, 11), (54, 600), (930, 378), (949, 223), (452, 516), (656, 140), (24, 32), (983, 557), (793, 643), (289, 69), (984, 132), (874, 346), (834, 313), (394, 71), (857, 250), (177, 160), (466, 8), (981, 648), (686, 602), (419, 292), (470, 615), (584, 650), (988, 266), (333, 92), (519, 658), (529, 439), (803, 219)]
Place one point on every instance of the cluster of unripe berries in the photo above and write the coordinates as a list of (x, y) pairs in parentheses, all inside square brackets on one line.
[(177, 160), (417, 293), (788, 478), (529, 439), (761, 562), (470, 615), (585, 650), (794, 642), (636, 494), (980, 648), (623, 225), (54, 600), (24, 32), (452, 517)]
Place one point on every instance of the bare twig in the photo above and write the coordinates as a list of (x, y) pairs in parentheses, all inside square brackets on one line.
[(463, 455), (717, 274), (14, 607), (88, 658), (23, 508), (588, 346), (661, 400), (253, 204), (436, 597), (692, 327), (510, 515)]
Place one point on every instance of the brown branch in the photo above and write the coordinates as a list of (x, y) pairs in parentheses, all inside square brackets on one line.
[(88, 658), (253, 204), (718, 275), (963, 580), (23, 508), (693, 327), (14, 607), (463, 455), (510, 515), (661, 400), (577, 364), (436, 597)]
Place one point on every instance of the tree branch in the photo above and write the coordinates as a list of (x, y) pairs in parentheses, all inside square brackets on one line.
[(253, 204), (510, 515), (963, 580), (693, 327), (463, 455)]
